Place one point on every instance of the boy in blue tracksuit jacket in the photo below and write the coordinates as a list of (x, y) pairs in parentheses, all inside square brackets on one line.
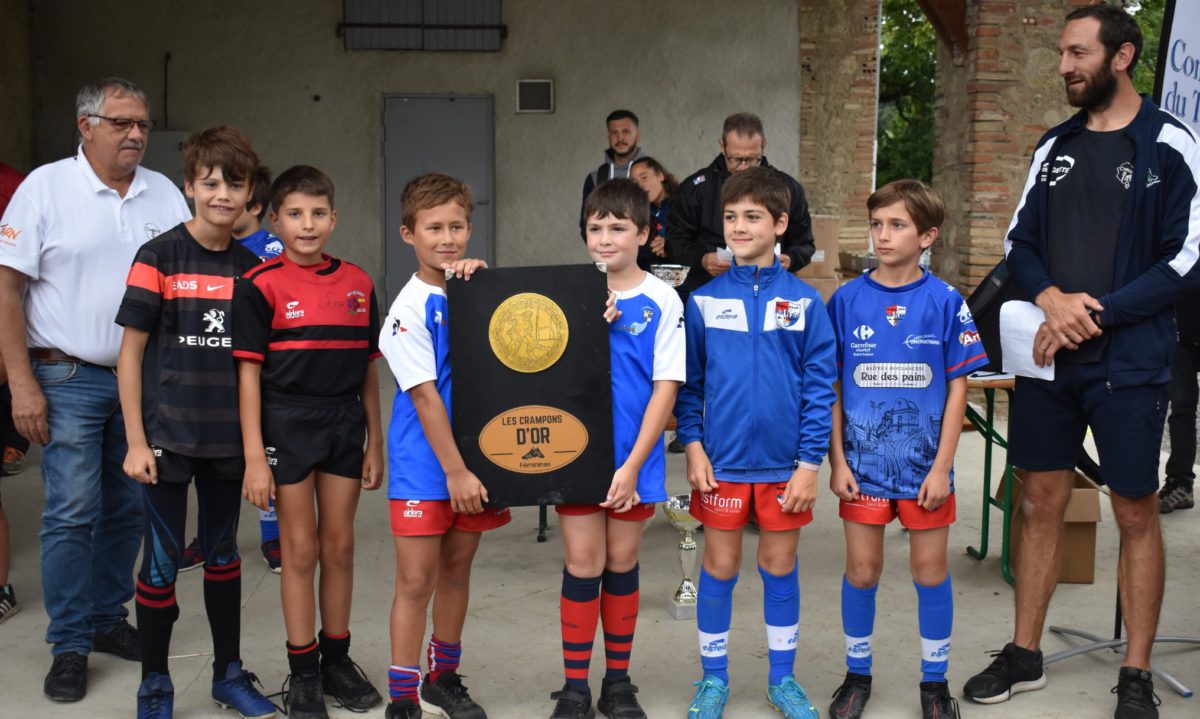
[(754, 418)]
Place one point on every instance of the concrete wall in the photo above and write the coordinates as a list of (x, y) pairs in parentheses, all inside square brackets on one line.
[(16, 77), (682, 65)]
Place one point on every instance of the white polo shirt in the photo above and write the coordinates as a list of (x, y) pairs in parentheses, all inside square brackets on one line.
[(75, 238)]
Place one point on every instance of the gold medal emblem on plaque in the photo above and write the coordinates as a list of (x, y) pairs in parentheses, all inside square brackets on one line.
[(528, 332)]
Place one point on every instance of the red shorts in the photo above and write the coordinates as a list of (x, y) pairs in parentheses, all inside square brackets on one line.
[(636, 513), (732, 504), (433, 517), (876, 510)]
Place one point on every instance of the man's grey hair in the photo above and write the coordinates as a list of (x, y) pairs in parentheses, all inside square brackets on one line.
[(90, 100)]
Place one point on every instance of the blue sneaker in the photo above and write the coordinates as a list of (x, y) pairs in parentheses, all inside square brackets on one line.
[(236, 691), (156, 697), (789, 699), (709, 702)]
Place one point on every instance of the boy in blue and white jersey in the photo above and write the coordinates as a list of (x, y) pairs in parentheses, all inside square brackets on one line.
[(754, 421), (906, 342), (600, 582), (438, 507)]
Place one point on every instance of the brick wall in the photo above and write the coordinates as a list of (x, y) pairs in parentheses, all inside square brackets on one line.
[(993, 103), (839, 69)]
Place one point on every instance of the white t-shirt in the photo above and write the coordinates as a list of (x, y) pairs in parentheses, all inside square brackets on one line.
[(75, 238)]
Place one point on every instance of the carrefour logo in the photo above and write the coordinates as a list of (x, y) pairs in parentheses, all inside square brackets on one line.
[(863, 333)]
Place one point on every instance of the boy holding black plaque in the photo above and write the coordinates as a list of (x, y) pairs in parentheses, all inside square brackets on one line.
[(646, 346), (438, 506), (754, 420)]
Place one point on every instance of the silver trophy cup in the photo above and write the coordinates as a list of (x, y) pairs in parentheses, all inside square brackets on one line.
[(673, 275), (683, 604)]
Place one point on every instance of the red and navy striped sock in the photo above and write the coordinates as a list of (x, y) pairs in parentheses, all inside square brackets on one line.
[(579, 612), (443, 657), (403, 682), (619, 611), (304, 659), (156, 614), (223, 604)]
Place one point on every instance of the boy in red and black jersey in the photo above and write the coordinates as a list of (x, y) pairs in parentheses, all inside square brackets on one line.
[(306, 341), (178, 388)]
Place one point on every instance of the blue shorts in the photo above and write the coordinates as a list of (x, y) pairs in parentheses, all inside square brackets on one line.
[(1049, 419)]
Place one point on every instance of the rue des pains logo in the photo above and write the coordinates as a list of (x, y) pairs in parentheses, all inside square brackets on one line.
[(533, 439)]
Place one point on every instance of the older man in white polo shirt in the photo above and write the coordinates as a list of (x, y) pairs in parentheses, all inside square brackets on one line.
[(67, 241)]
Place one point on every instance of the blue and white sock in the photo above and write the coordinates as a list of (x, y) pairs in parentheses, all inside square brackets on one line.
[(267, 524), (858, 624), (935, 616), (781, 613), (714, 613)]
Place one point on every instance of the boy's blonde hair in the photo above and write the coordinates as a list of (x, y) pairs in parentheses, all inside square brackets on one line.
[(923, 203), (430, 190)]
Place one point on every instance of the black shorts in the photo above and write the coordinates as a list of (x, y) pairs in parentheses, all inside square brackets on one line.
[(306, 433), (180, 469), (1050, 418)]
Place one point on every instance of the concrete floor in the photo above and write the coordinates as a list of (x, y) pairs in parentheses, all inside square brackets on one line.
[(511, 646)]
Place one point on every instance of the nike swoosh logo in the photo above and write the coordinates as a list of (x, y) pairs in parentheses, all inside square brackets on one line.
[(213, 288)]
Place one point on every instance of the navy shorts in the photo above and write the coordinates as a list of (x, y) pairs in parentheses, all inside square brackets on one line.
[(302, 434), (1050, 418)]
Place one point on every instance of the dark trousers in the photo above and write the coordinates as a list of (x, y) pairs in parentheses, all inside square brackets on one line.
[(8, 431), (1181, 424)]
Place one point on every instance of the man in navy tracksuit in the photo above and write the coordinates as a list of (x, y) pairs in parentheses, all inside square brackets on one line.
[(1104, 239), (623, 149)]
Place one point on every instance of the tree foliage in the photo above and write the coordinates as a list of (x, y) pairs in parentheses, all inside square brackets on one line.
[(907, 68)]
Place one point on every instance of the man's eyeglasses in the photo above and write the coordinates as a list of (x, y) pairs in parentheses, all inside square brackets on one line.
[(751, 161), (124, 124)]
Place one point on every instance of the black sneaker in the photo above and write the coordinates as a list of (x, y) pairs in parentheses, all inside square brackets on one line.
[(447, 697), (618, 699), (303, 697), (67, 679), (1175, 495), (675, 446), (936, 702), (121, 640), (1014, 670), (346, 682), (8, 603), (402, 709), (1135, 695), (851, 697), (572, 704)]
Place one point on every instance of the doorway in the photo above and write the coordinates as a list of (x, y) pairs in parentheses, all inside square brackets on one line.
[(452, 134)]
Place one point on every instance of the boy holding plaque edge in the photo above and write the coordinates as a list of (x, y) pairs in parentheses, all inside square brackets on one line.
[(601, 541), (906, 343), (754, 421), (305, 342), (438, 506)]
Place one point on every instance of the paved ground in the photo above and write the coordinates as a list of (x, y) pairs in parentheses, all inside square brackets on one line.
[(511, 654)]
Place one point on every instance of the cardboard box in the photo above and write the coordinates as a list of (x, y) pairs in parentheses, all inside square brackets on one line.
[(1079, 534), (825, 229), (824, 285)]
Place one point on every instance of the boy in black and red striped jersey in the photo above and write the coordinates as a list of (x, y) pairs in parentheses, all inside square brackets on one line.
[(179, 398), (306, 341)]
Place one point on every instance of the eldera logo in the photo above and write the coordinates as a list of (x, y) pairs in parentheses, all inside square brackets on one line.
[(411, 511), (293, 310)]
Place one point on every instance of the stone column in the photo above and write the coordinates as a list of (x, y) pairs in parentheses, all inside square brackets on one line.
[(993, 103), (839, 90)]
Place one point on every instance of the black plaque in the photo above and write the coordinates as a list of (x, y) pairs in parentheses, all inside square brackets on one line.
[(517, 412)]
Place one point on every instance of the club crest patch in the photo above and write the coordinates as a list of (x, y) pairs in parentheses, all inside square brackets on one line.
[(894, 314), (787, 313)]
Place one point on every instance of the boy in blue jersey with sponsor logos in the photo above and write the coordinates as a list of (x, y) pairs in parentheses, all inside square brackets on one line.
[(438, 507), (754, 420), (247, 230), (646, 345), (906, 342)]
